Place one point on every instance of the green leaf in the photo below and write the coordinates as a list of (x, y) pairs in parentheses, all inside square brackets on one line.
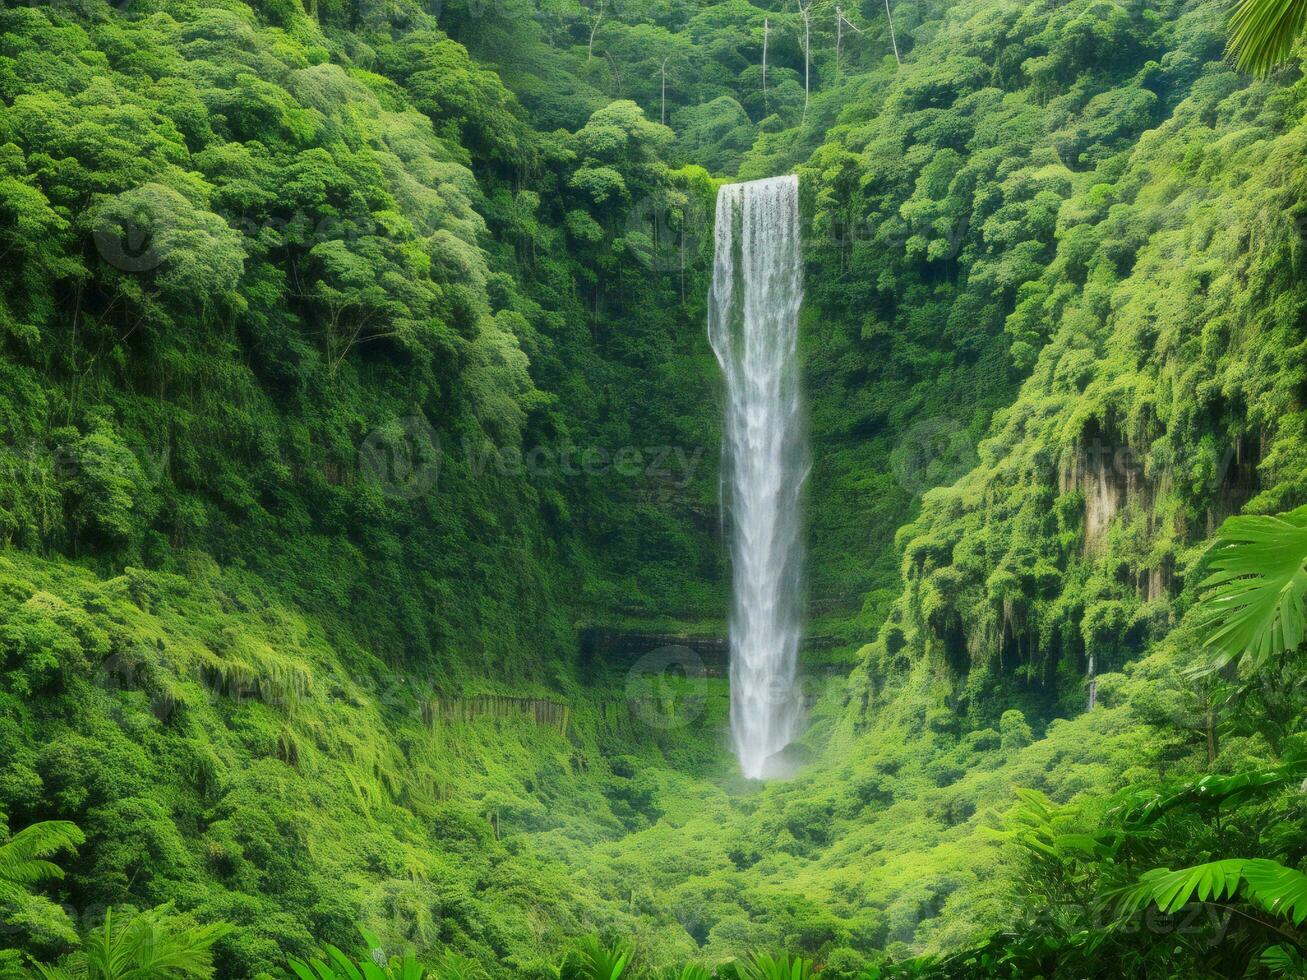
[(591, 960), (346, 965), (305, 972), (1140, 807), (1283, 960), (1253, 603), (23, 857), (1267, 884), (1263, 33)]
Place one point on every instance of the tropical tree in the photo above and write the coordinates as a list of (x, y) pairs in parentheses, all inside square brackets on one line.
[(153, 945), (24, 863)]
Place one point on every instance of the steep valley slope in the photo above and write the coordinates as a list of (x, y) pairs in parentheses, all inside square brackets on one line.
[(353, 366)]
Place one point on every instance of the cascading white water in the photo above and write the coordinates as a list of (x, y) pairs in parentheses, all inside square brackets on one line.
[(753, 317)]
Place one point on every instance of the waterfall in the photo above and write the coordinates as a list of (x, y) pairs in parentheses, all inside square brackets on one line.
[(753, 316)]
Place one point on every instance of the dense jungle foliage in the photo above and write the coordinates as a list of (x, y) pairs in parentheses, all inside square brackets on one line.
[(353, 379)]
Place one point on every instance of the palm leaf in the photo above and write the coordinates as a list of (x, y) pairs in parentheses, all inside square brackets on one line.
[(344, 966), (373, 965), (1271, 886), (1263, 32), (306, 972), (155, 945), (407, 967), (1283, 960), (691, 971), (1280, 890), (1253, 603), (1141, 807), (23, 857), (177, 947), (592, 960), (49, 972)]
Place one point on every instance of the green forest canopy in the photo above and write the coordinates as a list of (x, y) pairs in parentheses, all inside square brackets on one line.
[(355, 378)]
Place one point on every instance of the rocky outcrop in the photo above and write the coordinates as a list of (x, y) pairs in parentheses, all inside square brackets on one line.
[(1109, 473)]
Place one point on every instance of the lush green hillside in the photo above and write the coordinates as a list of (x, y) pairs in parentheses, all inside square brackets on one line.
[(354, 364)]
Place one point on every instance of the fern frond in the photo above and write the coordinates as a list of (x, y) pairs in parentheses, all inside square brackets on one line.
[(23, 857)]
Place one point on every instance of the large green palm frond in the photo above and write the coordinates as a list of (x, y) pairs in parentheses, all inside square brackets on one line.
[(1253, 603), (339, 966), (1263, 32), (24, 857), (407, 967), (691, 971), (1267, 884), (1284, 961), (314, 970), (592, 960), (1140, 807), (154, 945)]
